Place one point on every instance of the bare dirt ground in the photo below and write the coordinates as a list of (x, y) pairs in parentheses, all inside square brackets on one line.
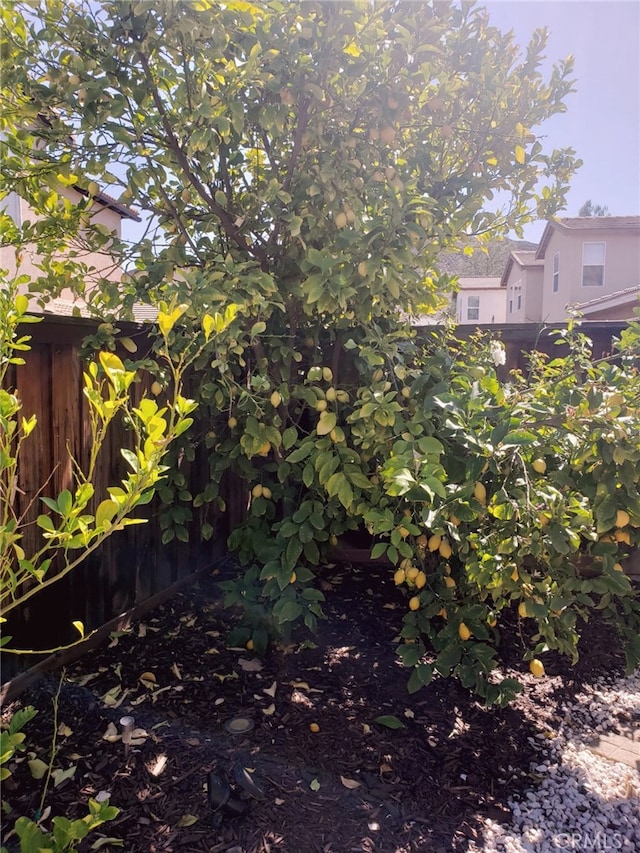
[(354, 785)]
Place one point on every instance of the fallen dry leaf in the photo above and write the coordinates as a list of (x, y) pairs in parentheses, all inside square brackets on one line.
[(349, 783), (278, 801), (64, 730), (148, 679), (222, 677), (302, 685), (111, 734), (176, 671), (270, 710), (271, 691), (187, 820)]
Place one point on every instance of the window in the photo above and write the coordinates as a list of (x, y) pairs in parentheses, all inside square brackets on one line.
[(10, 205), (556, 272), (519, 301), (473, 308), (511, 306), (593, 264)]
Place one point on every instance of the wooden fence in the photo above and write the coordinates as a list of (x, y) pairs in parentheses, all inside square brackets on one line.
[(133, 566)]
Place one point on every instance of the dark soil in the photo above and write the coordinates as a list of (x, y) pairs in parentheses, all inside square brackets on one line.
[(353, 786)]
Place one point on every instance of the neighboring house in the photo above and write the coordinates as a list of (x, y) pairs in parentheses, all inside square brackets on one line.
[(522, 283), (106, 211), (590, 263), (480, 300)]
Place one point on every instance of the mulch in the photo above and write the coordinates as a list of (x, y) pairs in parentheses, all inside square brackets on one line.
[(355, 785)]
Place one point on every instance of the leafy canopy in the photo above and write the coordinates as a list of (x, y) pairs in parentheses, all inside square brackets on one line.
[(305, 159)]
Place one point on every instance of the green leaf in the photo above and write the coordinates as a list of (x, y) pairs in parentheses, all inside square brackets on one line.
[(378, 550), (37, 767), (326, 423), (390, 721)]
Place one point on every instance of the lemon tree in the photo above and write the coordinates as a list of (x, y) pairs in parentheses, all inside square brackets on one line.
[(300, 166)]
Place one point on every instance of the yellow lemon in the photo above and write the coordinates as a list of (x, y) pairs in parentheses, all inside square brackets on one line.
[(450, 582), (321, 405), (331, 394), (522, 610), (293, 578), (250, 645), (622, 536), (420, 580), (622, 518), (314, 727), (433, 542), (257, 491), (264, 450), (492, 621), (266, 492), (539, 466), (340, 219), (403, 532), (463, 632), (618, 567), (399, 577), (514, 575), (445, 549), (412, 573), (232, 422), (414, 603), (275, 399), (455, 520), (536, 667), (480, 493), (442, 612)]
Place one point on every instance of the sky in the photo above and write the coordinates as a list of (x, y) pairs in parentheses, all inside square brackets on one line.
[(602, 122)]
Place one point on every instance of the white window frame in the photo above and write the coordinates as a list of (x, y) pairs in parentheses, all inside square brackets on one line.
[(556, 272), (596, 266), (473, 306)]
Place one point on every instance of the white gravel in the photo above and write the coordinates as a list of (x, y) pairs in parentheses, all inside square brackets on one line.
[(579, 801)]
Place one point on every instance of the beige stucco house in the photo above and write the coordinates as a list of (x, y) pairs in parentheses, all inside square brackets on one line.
[(522, 285), (480, 300), (105, 211), (591, 264)]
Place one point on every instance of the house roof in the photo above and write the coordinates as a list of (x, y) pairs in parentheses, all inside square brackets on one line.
[(483, 282), (525, 260), (620, 297), (112, 204), (586, 223)]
